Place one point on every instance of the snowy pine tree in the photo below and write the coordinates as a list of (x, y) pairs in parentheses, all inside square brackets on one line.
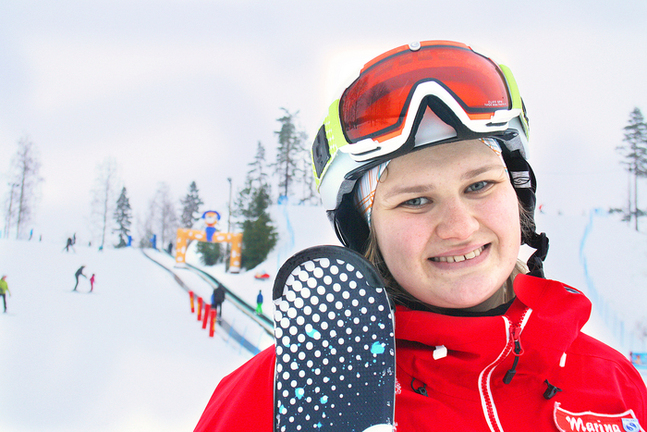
[(257, 172), (288, 165), (259, 235), (191, 206), (123, 217), (635, 159), (210, 253)]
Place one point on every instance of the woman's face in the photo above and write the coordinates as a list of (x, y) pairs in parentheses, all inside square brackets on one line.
[(446, 220)]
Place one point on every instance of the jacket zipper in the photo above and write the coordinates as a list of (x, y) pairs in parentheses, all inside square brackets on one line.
[(513, 334)]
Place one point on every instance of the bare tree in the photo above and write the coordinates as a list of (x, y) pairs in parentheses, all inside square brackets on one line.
[(164, 217), (24, 181), (104, 194), (10, 207), (145, 226)]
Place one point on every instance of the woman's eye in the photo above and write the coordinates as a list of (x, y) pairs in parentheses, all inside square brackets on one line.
[(478, 186), (416, 202)]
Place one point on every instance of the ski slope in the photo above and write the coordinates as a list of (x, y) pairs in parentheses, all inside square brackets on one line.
[(127, 357), (131, 357)]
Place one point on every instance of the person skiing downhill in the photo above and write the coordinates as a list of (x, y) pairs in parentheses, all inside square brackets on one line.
[(78, 274), (4, 290), (422, 167), (92, 282)]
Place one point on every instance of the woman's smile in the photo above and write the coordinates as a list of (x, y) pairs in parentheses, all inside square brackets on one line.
[(459, 258)]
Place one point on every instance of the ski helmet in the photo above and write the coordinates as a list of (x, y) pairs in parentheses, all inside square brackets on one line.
[(414, 96)]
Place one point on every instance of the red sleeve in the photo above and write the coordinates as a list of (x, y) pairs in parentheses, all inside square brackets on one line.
[(243, 400)]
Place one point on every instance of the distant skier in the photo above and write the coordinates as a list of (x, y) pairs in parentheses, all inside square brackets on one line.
[(78, 273), (4, 289), (259, 303), (92, 283), (217, 297), (69, 245)]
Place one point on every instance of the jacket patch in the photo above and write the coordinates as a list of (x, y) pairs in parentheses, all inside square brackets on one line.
[(588, 421)]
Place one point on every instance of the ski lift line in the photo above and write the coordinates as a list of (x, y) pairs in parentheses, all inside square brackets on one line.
[(262, 320), (243, 306), (244, 343)]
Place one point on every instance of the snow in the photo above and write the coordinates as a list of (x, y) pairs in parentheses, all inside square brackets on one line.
[(130, 356)]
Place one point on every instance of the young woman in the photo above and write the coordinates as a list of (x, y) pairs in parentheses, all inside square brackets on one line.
[(422, 167)]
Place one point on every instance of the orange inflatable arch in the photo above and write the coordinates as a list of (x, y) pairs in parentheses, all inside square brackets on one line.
[(184, 235)]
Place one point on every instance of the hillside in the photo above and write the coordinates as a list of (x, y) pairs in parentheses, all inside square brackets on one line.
[(131, 357)]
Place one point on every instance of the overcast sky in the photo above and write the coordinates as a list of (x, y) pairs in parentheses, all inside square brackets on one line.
[(182, 90)]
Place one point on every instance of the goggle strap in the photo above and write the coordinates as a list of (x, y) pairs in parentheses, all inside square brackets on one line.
[(320, 152)]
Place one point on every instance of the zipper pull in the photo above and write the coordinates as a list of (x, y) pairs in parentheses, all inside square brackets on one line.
[(515, 334)]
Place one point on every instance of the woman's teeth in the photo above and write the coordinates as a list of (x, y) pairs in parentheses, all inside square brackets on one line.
[(459, 258)]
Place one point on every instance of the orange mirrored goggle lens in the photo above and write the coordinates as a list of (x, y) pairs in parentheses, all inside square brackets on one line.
[(377, 102)]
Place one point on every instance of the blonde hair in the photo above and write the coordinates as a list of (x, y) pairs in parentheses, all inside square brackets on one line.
[(400, 296)]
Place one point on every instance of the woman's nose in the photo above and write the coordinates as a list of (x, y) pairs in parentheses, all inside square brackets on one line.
[(456, 220)]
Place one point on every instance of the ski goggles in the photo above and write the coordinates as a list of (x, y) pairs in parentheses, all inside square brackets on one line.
[(379, 112)]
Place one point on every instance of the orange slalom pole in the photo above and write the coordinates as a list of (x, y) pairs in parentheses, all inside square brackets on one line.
[(207, 310), (192, 302), (212, 325), (199, 308)]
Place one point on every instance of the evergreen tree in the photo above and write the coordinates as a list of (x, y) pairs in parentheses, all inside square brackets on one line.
[(191, 206), (210, 253), (256, 178), (289, 156), (257, 172), (635, 158), (259, 235), (123, 217)]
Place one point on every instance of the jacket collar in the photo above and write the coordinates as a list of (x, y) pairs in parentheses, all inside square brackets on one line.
[(472, 343)]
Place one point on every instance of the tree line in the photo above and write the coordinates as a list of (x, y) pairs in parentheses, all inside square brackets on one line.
[(289, 173), (111, 214)]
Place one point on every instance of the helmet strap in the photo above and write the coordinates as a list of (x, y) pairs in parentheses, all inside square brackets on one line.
[(536, 260)]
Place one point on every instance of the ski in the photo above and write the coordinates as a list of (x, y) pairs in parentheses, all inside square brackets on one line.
[(335, 344)]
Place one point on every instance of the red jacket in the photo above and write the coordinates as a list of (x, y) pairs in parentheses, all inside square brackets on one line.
[(593, 386)]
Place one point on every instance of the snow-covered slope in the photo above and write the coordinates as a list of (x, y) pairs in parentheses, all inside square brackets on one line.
[(127, 357), (131, 357)]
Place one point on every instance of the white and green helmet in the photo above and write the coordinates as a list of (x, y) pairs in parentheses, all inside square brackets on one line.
[(414, 96)]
